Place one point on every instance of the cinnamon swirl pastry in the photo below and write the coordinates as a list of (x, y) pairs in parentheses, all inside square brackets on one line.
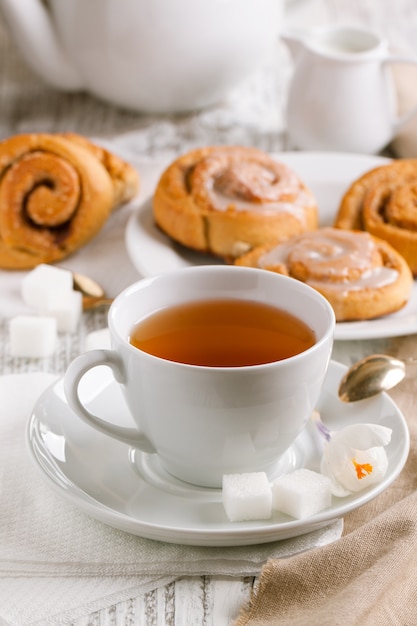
[(226, 200), (383, 202), (56, 193), (361, 276), (124, 177)]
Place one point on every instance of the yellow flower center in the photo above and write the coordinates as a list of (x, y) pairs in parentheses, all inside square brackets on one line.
[(362, 469)]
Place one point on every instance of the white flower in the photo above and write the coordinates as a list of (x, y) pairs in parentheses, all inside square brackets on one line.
[(354, 457)]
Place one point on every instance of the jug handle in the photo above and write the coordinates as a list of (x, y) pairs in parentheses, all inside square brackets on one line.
[(403, 119)]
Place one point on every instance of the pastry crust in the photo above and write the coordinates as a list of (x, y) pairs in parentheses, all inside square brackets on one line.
[(225, 200), (124, 177), (55, 195), (383, 202), (362, 277)]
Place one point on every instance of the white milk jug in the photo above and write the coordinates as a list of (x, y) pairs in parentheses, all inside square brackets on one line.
[(341, 96)]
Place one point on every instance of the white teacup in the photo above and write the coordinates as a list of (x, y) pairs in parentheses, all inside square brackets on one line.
[(207, 421)]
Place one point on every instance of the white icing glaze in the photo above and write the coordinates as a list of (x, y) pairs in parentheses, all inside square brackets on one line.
[(335, 259), (250, 186), (376, 278), (222, 202)]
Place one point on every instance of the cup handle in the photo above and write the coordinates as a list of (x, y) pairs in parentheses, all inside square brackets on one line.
[(76, 370), (391, 60)]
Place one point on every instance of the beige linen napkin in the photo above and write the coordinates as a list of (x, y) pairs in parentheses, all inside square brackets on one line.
[(57, 563), (369, 576)]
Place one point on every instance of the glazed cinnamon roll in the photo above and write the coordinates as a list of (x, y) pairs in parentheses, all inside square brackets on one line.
[(226, 200), (361, 276), (383, 202), (55, 195)]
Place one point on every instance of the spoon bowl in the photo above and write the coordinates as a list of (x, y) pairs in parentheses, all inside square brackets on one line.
[(371, 375), (93, 293)]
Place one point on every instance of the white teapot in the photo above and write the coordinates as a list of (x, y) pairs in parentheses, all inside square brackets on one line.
[(151, 55), (341, 95)]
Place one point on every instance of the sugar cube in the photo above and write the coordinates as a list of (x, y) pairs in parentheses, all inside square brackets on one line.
[(32, 336), (45, 283), (66, 308), (301, 493), (247, 496)]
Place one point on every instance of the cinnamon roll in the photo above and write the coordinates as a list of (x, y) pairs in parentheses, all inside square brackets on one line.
[(226, 200), (55, 195), (362, 277), (124, 177), (383, 202)]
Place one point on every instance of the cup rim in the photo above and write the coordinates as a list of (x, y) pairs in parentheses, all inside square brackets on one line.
[(140, 284)]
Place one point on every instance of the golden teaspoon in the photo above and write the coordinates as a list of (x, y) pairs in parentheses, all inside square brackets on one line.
[(372, 375), (93, 293)]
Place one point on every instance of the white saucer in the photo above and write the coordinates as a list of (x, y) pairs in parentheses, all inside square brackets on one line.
[(130, 491), (328, 175)]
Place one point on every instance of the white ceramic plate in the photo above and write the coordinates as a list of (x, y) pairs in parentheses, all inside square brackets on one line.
[(328, 175), (131, 491)]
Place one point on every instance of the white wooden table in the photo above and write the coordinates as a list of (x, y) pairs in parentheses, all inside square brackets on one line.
[(25, 104)]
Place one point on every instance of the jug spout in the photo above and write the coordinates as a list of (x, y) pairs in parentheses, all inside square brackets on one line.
[(294, 40), (32, 29)]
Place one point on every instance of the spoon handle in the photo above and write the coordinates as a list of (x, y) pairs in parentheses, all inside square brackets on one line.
[(95, 302)]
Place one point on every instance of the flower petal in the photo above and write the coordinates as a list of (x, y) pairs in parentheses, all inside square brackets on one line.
[(363, 436), (355, 458)]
